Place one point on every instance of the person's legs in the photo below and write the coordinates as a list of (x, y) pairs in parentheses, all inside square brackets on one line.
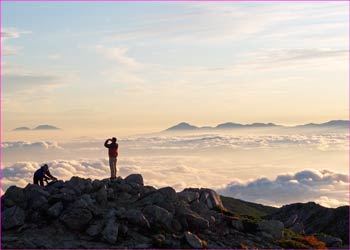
[(116, 169), (112, 166), (41, 181), (35, 180)]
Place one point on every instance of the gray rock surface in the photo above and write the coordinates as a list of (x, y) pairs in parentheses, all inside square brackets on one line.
[(12, 217), (55, 210), (103, 214), (272, 227), (193, 240), (134, 178)]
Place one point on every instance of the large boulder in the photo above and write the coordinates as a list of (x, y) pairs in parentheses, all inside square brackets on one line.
[(330, 241), (272, 227), (55, 186), (12, 217), (14, 196), (65, 195), (79, 185), (40, 203), (169, 193), (134, 178), (37, 197), (55, 210), (211, 199), (158, 216), (95, 228), (196, 222), (32, 191), (136, 217), (101, 195), (190, 219), (78, 215), (189, 195), (154, 197), (193, 240), (237, 225), (110, 232)]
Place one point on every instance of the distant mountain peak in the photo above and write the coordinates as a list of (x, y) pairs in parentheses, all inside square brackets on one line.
[(182, 126), (332, 123), (46, 127), (21, 129)]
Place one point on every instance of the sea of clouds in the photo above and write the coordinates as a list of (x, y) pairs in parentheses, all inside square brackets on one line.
[(269, 169)]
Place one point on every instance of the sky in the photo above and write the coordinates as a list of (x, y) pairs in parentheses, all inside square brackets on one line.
[(141, 67)]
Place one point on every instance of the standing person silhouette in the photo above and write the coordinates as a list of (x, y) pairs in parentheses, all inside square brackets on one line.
[(113, 154)]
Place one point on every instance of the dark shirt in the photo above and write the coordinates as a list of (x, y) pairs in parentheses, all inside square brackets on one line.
[(41, 173)]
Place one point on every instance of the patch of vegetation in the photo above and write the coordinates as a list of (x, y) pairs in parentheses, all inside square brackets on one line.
[(246, 208), (292, 240)]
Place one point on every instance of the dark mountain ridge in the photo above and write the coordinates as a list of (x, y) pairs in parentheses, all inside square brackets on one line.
[(40, 127), (231, 125), (81, 213)]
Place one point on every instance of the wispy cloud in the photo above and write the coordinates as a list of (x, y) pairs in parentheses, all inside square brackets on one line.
[(119, 55), (6, 35)]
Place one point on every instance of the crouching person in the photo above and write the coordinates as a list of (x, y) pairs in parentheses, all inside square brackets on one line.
[(43, 174)]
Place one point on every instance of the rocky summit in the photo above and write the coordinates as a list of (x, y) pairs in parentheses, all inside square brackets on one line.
[(125, 213)]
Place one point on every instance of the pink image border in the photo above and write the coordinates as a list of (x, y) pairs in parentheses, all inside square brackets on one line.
[(124, 1)]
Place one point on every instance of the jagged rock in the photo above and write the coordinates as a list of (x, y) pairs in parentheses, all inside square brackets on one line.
[(169, 193), (157, 215), (334, 222), (14, 196), (79, 185), (196, 222), (136, 217), (33, 191), (237, 224), (96, 185), (211, 199), (120, 211), (176, 225), (110, 194), (151, 198), (104, 214), (298, 228), (101, 195), (193, 240), (191, 219), (158, 240), (40, 203), (95, 228), (134, 178), (291, 221), (272, 227), (65, 196), (76, 218), (55, 210), (110, 232), (12, 217), (330, 241), (199, 207), (53, 187), (36, 197), (123, 229), (188, 195)]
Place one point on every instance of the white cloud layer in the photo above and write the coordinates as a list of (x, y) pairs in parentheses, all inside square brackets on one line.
[(202, 160), (325, 187)]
